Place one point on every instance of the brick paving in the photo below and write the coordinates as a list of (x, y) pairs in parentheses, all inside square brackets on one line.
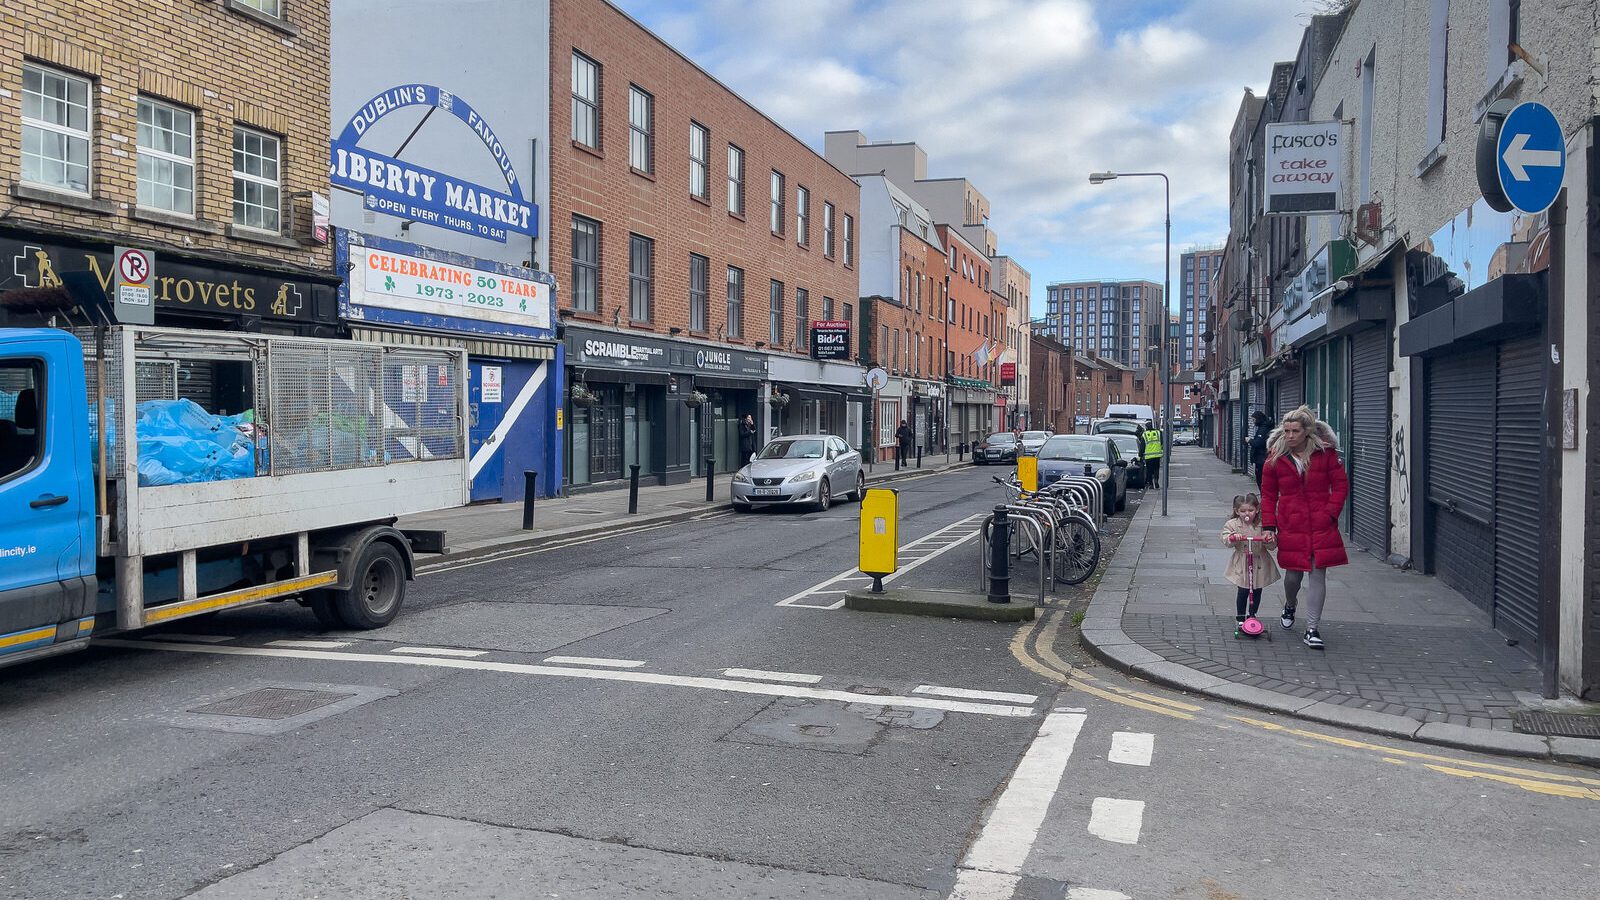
[(1398, 642)]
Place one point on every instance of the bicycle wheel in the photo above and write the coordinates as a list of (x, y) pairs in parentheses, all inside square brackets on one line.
[(1077, 550)]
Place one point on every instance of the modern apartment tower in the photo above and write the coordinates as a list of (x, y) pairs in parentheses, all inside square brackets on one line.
[(1118, 320), (1198, 268)]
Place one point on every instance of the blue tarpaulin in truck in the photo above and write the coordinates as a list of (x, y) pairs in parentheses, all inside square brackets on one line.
[(181, 443)]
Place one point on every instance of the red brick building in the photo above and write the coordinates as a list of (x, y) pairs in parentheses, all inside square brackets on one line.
[(695, 241), (1051, 387)]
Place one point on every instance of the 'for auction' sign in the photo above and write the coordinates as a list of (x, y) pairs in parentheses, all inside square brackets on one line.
[(830, 340), (1302, 174)]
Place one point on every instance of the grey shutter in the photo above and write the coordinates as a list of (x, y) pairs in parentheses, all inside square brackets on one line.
[(1369, 439), (1518, 479)]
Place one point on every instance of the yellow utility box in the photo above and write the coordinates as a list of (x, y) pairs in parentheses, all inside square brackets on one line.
[(1028, 472), (880, 535)]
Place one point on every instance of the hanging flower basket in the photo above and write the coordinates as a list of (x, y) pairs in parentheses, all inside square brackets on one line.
[(582, 396), (778, 401), (695, 400)]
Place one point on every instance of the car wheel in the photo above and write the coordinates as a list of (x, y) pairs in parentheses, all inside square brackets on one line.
[(861, 487), (824, 495)]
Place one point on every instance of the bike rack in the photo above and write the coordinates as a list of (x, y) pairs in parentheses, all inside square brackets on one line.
[(1096, 505), (1038, 537)]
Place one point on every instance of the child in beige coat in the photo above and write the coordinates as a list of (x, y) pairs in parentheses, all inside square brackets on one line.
[(1252, 566)]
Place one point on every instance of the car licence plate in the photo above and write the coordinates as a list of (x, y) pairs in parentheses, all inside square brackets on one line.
[(765, 492)]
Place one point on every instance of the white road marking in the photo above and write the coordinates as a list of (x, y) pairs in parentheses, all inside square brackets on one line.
[(762, 675), (440, 651), (194, 638), (1078, 893), (1014, 822), (976, 884), (1132, 748), (965, 694), (594, 661), (918, 550), (309, 645), (1118, 821), (686, 681)]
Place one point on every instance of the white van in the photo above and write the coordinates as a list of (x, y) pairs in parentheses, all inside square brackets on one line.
[(1140, 411)]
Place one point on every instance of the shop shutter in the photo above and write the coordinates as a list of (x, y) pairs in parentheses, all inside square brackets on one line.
[(1518, 480), (1458, 423), (1369, 440), (1290, 394)]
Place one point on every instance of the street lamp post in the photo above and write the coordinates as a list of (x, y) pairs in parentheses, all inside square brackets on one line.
[(1166, 300)]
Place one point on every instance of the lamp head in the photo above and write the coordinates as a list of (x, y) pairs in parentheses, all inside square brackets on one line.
[(1101, 177)]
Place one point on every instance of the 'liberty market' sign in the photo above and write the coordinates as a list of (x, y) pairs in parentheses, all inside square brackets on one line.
[(399, 188)]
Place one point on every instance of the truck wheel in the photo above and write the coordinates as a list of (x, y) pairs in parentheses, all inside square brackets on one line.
[(322, 606), (378, 587)]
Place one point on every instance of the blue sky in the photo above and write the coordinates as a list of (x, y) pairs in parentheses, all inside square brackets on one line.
[(1023, 97)]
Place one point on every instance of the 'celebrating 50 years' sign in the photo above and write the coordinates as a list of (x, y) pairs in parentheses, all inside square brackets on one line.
[(399, 281)]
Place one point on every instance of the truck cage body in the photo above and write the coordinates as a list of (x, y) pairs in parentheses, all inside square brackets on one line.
[(345, 433)]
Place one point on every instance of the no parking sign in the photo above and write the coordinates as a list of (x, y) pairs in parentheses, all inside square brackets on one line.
[(135, 274)]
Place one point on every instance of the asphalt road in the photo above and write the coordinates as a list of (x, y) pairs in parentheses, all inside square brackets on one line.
[(645, 716)]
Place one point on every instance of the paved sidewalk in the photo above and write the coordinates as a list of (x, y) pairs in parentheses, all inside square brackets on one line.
[(477, 530), (1406, 655)]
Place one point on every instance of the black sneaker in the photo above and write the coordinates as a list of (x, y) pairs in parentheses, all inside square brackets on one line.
[(1287, 619), (1313, 640)]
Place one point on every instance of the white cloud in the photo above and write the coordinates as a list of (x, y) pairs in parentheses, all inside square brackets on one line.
[(1023, 97)]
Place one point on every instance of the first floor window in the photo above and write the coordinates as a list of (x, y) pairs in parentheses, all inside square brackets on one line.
[(827, 308), (55, 129), (273, 8), (827, 230), (849, 240), (699, 288), (585, 100), (641, 272), (777, 213), (735, 302), (166, 157), (585, 264), (699, 161), (735, 180), (641, 130), (256, 189), (802, 317), (775, 314)]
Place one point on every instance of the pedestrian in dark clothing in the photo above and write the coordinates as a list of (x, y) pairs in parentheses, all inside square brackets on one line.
[(1258, 443), (747, 439), (905, 437)]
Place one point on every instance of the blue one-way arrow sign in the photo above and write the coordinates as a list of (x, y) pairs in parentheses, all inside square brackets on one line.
[(1531, 157)]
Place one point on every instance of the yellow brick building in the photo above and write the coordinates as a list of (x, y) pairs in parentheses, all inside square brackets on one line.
[(195, 129)]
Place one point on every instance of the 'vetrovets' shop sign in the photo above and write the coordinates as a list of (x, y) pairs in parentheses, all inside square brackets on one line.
[(830, 339), (1303, 165), (399, 188)]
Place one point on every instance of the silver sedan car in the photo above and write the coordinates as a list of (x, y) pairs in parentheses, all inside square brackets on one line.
[(800, 469)]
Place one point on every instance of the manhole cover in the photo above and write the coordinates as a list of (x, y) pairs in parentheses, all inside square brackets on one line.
[(271, 703), (1557, 724)]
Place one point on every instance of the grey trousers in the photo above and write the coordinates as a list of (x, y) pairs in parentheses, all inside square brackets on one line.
[(1316, 593)]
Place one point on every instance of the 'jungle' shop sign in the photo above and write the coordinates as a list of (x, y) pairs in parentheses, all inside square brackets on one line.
[(399, 188), (401, 281)]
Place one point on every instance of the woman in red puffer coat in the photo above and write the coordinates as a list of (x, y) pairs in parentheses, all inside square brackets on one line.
[(1303, 490)]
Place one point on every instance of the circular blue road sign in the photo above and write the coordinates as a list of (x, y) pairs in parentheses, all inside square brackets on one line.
[(1531, 156)]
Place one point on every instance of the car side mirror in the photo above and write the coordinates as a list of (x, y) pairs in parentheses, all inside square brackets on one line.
[(1122, 464)]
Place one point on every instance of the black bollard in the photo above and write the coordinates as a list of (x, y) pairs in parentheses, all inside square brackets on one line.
[(898, 452), (711, 478), (530, 489), (1000, 558), (919, 456), (633, 489)]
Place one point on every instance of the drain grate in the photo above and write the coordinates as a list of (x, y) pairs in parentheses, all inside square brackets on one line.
[(1557, 724), (272, 703)]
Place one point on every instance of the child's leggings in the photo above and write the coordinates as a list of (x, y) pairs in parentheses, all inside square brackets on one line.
[(1249, 602), (1316, 592)]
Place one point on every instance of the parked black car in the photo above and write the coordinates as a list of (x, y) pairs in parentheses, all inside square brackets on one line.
[(1000, 447)]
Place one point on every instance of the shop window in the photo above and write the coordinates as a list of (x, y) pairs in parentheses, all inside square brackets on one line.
[(585, 101), (256, 189), (585, 264), (56, 123)]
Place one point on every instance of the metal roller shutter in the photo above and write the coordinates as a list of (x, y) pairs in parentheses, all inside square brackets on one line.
[(1458, 423), (1518, 513), (1290, 394), (1369, 440)]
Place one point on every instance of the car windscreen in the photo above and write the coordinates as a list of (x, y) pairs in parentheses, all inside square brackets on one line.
[(1034, 435), (1081, 449), (1125, 442), (803, 449), (1118, 426), (1004, 437)]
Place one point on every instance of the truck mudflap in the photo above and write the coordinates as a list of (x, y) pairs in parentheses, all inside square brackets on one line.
[(182, 609)]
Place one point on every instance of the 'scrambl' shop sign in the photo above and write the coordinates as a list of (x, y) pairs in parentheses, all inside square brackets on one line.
[(404, 189)]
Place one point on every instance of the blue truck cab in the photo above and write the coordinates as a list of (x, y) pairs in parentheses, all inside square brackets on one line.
[(47, 493)]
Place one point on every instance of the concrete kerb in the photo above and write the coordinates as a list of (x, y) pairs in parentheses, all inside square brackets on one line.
[(1106, 641), (534, 540)]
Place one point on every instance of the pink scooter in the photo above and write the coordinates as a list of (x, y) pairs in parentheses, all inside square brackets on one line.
[(1251, 626)]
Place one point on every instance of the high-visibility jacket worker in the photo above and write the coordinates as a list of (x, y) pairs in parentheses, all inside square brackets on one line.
[(1152, 455)]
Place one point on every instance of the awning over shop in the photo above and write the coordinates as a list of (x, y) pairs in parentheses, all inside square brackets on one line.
[(474, 346), (726, 383)]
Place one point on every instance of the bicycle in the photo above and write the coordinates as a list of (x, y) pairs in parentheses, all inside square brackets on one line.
[(1072, 541)]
